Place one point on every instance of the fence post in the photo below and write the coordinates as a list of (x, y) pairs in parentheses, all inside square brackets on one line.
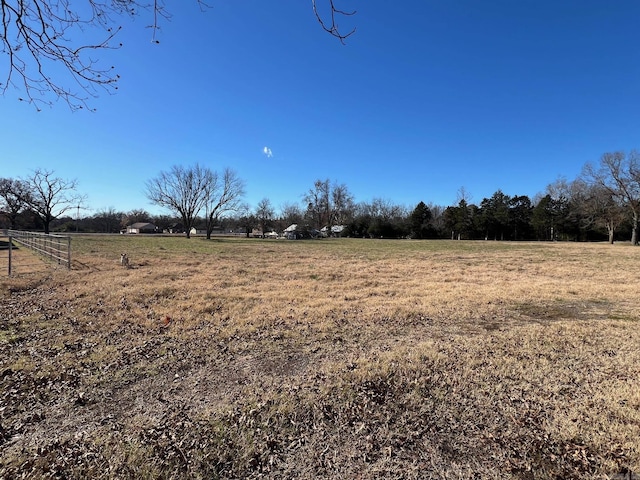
[(69, 252), (9, 255)]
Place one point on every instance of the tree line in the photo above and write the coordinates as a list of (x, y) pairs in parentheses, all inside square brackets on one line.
[(602, 203)]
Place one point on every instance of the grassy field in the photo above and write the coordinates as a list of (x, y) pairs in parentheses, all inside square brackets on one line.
[(236, 358)]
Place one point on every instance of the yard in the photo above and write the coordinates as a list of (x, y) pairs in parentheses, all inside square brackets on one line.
[(238, 358)]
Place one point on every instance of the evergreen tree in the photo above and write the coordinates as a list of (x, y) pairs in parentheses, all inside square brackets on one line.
[(420, 221)]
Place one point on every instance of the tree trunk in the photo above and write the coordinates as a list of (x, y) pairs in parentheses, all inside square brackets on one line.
[(634, 226), (210, 223)]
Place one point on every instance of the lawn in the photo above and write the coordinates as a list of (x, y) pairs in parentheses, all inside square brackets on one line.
[(238, 358)]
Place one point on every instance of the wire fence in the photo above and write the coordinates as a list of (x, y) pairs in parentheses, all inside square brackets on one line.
[(27, 252)]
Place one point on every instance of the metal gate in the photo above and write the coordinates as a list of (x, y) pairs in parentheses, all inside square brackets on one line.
[(53, 248)]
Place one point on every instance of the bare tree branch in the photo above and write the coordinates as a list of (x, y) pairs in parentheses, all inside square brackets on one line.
[(39, 39), (332, 26), (36, 38)]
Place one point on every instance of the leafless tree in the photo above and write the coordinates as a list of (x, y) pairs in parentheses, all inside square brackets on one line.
[(45, 59), (463, 195), (600, 208), (560, 189), (50, 196), (13, 195), (317, 200), (384, 218), (245, 217), (619, 174), (437, 212), (223, 195), (342, 205), (134, 216), (386, 210), (329, 204), (107, 220), (264, 214), (182, 190), (290, 213)]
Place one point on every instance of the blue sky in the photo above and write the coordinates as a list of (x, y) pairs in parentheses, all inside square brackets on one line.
[(426, 97)]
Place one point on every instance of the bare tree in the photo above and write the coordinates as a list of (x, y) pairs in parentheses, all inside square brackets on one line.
[(317, 200), (246, 219), (463, 195), (182, 190), (13, 195), (290, 213), (386, 218), (49, 196), (222, 195), (134, 216), (264, 214), (437, 212), (342, 205), (619, 174), (601, 209), (386, 209), (44, 57), (329, 204), (107, 220)]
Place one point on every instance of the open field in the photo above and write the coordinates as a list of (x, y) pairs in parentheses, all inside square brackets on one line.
[(323, 359)]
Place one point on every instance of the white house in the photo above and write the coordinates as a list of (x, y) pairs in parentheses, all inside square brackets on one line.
[(142, 227), (336, 230)]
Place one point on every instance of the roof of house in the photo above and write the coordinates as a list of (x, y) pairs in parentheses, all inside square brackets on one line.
[(140, 225), (334, 228)]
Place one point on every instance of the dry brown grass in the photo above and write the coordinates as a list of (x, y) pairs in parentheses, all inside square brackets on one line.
[(334, 359)]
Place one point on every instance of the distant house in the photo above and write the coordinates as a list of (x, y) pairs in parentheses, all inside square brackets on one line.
[(336, 231), (257, 233), (290, 232), (142, 227), (295, 232)]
